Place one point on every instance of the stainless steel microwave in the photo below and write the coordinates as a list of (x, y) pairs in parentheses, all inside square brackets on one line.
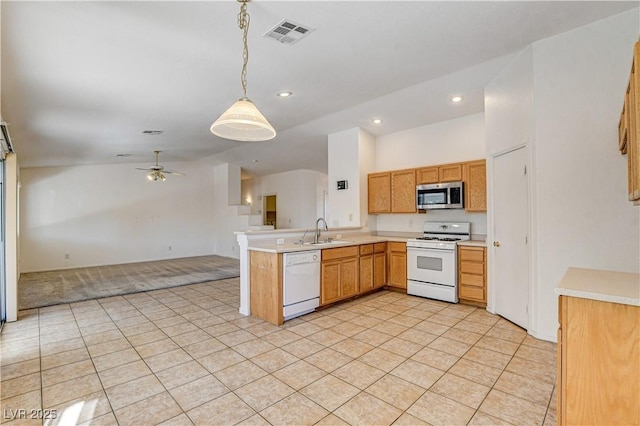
[(448, 195)]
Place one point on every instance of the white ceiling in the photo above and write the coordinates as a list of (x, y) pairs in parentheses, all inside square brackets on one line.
[(81, 80)]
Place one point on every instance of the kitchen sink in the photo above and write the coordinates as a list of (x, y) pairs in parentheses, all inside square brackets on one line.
[(326, 243)]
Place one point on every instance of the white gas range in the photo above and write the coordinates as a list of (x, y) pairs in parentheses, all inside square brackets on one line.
[(432, 266)]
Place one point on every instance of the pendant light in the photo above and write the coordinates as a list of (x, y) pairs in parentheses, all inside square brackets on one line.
[(243, 121)]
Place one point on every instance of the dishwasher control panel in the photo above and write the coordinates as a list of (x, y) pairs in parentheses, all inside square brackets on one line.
[(302, 257)]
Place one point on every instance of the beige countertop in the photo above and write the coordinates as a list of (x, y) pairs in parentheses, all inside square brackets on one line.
[(605, 286), (288, 247), (473, 243)]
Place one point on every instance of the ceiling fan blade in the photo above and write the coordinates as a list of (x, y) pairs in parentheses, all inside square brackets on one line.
[(169, 172), (146, 170)]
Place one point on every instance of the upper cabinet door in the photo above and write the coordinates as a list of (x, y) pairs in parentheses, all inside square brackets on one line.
[(450, 173), (475, 189), (403, 191), (379, 192), (437, 174), (428, 175)]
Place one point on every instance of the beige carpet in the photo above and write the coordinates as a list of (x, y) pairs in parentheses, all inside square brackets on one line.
[(38, 289)]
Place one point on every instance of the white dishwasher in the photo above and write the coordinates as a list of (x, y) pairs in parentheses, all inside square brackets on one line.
[(301, 283)]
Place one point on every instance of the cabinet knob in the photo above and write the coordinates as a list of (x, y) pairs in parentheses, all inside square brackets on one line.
[(496, 243)]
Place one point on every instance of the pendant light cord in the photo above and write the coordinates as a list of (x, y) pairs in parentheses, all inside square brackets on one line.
[(243, 23)]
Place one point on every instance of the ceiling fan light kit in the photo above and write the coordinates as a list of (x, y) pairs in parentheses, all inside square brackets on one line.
[(156, 175), (243, 121), (157, 172)]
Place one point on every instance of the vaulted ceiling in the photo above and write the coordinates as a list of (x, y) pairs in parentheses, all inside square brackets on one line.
[(82, 80)]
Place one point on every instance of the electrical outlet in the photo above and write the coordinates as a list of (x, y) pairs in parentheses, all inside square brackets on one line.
[(66, 256), (339, 237), (170, 248), (280, 241), (350, 217)]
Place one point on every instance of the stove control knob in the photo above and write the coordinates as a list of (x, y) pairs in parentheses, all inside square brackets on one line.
[(496, 243)]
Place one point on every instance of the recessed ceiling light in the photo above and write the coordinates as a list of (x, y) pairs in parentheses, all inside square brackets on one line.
[(377, 121), (255, 161), (284, 94), (456, 99)]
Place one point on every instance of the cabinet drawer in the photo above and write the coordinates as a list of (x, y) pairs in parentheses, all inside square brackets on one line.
[(379, 247), (475, 268), (366, 249), (470, 279), (475, 293), (339, 252), (397, 247), (474, 255)]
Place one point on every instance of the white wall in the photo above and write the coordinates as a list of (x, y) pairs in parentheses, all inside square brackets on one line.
[(508, 103), (343, 157), (509, 124), (352, 156), (449, 141), (112, 214), (583, 216), (299, 196), (366, 164), (224, 213)]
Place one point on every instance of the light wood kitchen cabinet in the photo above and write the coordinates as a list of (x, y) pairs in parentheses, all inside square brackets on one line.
[(339, 274), (265, 271), (397, 264), (441, 173), (395, 191), (472, 275), (475, 186), (427, 175), (598, 362), (379, 190), (403, 191), (628, 128), (366, 271), (373, 266), (379, 265), (450, 173)]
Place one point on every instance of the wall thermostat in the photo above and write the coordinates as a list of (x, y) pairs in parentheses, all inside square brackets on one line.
[(342, 184)]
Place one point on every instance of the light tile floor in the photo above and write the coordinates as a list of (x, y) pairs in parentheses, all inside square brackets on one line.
[(185, 356)]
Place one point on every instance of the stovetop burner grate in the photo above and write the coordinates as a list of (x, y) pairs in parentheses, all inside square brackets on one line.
[(438, 239)]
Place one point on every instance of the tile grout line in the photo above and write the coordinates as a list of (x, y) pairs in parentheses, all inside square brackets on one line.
[(177, 297), (104, 391)]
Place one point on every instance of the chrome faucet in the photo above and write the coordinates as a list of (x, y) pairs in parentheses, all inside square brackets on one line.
[(316, 238)]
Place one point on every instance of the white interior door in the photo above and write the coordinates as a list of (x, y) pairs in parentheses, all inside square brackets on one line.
[(510, 229)]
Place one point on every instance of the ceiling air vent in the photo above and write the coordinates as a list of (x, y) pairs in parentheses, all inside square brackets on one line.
[(152, 132), (288, 32)]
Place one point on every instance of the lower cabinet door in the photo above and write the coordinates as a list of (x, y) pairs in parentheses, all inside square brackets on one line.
[(349, 277), (379, 270), (398, 270), (330, 282), (366, 273)]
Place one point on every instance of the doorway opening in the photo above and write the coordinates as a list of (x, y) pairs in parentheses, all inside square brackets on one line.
[(269, 211)]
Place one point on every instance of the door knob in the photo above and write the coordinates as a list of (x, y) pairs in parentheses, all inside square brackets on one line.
[(496, 243)]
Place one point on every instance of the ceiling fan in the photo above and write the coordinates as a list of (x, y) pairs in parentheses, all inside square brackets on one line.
[(157, 172)]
